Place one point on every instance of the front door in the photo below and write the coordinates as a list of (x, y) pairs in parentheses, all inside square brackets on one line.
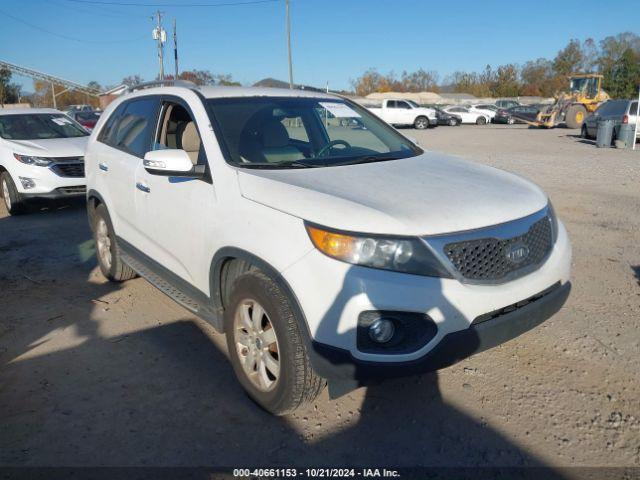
[(177, 213)]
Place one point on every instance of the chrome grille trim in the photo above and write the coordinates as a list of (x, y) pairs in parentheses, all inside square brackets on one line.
[(505, 233)]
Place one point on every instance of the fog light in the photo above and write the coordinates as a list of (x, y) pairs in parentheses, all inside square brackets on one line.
[(27, 183), (381, 330)]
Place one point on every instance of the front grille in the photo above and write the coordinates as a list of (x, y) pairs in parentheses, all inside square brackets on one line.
[(77, 190), (489, 259), (69, 167)]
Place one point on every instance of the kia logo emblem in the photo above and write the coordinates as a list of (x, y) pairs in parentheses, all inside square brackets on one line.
[(517, 253)]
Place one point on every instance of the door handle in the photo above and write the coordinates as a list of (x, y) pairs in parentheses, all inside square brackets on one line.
[(103, 166), (141, 186)]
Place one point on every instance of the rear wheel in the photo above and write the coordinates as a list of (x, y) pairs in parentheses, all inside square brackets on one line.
[(421, 123), (452, 122), (13, 200), (266, 348), (107, 251), (575, 116), (481, 120), (511, 120)]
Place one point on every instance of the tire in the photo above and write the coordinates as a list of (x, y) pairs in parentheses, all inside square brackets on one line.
[(13, 200), (575, 116), (254, 352), (511, 121), (481, 120), (421, 123), (107, 251), (452, 122), (583, 132)]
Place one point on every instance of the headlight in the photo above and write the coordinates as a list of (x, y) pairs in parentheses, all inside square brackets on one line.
[(407, 255), (29, 160)]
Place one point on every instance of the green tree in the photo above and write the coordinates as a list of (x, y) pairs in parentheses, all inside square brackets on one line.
[(624, 77)]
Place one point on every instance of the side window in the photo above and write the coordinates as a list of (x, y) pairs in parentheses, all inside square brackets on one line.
[(391, 104), (108, 128), (133, 129), (178, 131), (404, 105), (633, 109)]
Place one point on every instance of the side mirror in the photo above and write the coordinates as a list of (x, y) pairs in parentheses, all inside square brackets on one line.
[(171, 163)]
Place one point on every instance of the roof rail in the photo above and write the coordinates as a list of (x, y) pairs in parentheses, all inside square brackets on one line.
[(162, 83)]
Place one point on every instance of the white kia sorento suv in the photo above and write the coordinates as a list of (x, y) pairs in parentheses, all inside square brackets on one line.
[(41, 156), (322, 242)]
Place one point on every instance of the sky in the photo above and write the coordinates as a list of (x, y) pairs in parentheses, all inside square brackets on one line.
[(333, 41)]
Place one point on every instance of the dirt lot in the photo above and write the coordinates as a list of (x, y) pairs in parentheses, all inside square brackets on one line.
[(93, 373)]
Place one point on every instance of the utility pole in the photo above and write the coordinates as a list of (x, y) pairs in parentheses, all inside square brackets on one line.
[(175, 49), (160, 36), (289, 45)]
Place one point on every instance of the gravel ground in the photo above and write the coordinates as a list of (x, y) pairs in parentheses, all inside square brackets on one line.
[(93, 373)]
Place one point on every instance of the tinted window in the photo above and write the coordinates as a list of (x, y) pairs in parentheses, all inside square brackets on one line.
[(391, 104), (633, 109), (403, 105), (105, 133), (133, 125)]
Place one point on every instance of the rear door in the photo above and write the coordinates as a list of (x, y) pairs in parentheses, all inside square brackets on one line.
[(128, 137)]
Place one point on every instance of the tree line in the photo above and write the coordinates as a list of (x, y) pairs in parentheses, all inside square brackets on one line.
[(42, 95), (616, 57)]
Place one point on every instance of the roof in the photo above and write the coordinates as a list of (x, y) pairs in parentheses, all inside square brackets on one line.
[(19, 111), (275, 83), (221, 92), (228, 92), (115, 90)]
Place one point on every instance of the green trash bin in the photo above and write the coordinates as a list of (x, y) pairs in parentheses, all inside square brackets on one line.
[(604, 134), (625, 135)]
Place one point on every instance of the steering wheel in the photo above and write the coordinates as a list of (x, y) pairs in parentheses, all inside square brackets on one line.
[(324, 150)]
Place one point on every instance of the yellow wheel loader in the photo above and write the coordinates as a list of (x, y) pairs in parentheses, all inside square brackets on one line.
[(584, 96)]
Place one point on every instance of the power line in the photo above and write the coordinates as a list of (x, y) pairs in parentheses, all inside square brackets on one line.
[(136, 4), (66, 37)]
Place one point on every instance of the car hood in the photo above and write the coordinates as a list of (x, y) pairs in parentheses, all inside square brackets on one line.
[(52, 147), (424, 195)]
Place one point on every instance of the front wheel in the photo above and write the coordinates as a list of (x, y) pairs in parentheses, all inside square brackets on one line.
[(266, 348), (481, 121), (511, 120), (13, 200), (575, 116), (421, 123), (583, 132), (452, 122)]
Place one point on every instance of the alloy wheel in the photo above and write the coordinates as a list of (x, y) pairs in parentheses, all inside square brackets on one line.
[(256, 345), (6, 195), (103, 242)]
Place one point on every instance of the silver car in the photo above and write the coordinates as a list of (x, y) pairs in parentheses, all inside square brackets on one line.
[(622, 111)]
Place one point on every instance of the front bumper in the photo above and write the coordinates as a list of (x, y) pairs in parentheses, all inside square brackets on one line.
[(433, 122), (337, 363), (59, 193)]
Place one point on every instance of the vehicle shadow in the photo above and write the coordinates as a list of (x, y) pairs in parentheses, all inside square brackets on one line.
[(91, 377), (636, 272)]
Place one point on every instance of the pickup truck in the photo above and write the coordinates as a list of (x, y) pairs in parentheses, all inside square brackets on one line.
[(406, 112)]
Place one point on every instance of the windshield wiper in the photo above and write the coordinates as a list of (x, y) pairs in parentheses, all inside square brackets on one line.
[(275, 165), (368, 159)]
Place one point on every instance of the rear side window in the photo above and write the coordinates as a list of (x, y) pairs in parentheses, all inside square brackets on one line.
[(633, 109), (131, 126)]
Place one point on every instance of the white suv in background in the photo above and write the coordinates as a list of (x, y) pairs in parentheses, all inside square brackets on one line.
[(323, 251), (41, 156)]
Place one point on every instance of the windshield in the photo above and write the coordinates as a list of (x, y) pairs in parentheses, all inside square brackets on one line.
[(288, 132), (39, 126)]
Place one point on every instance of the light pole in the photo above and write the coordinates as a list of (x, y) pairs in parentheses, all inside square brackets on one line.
[(160, 35), (289, 44)]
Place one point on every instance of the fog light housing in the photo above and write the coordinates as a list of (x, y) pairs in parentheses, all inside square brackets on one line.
[(382, 330), (393, 332), (27, 183)]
